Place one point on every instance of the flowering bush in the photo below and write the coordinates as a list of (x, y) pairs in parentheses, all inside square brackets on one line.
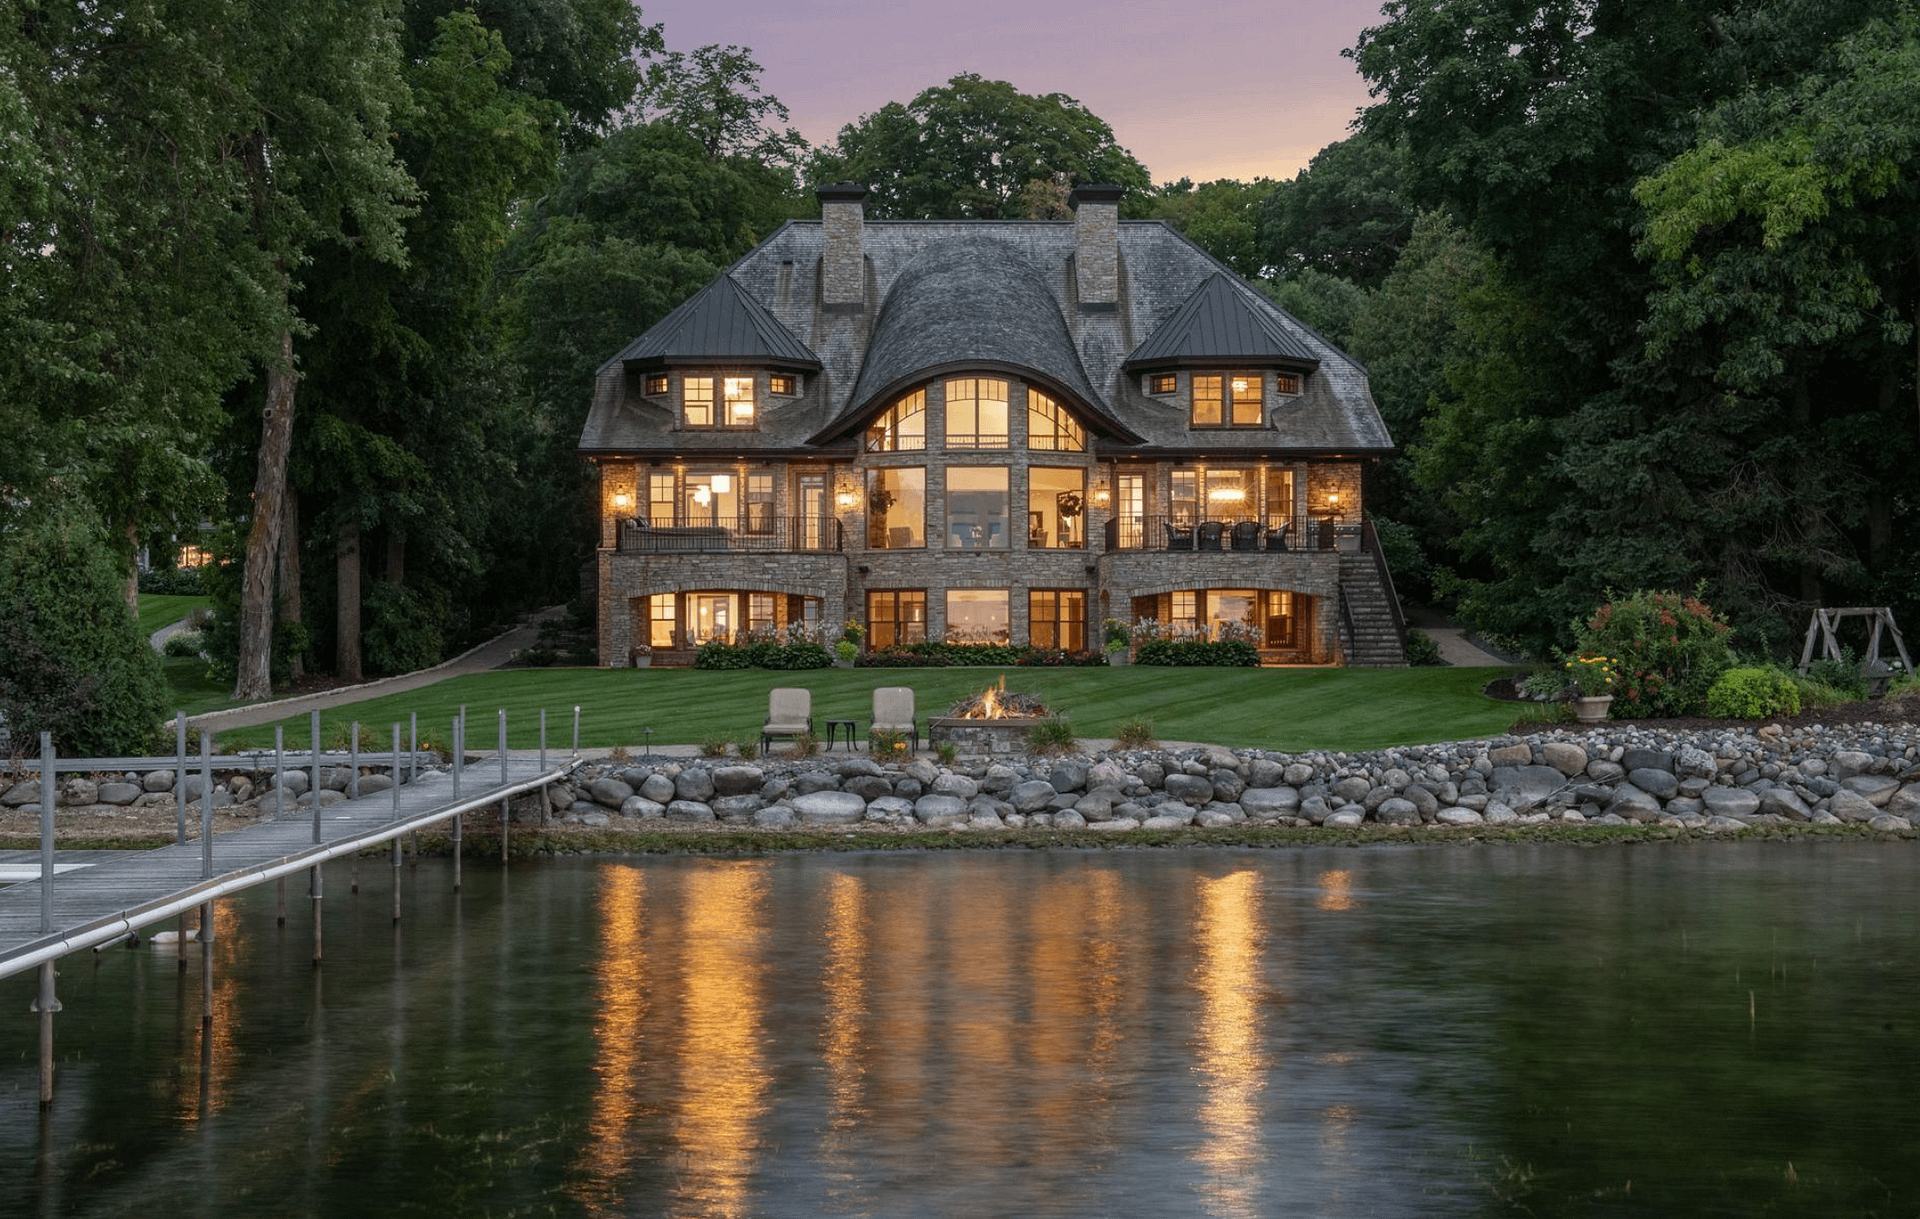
[(1592, 676), (1668, 647)]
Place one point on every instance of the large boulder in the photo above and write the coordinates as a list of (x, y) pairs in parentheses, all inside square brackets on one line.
[(829, 808), (1522, 785), (938, 809), (1270, 801), (694, 784), (1191, 789), (1032, 796), (1660, 784), (1564, 756), (1730, 802), (737, 780), (612, 793)]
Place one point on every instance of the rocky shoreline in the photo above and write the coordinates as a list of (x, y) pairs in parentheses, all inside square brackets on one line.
[(1723, 779)]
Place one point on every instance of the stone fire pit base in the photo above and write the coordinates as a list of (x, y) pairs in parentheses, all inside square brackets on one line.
[(1008, 735)]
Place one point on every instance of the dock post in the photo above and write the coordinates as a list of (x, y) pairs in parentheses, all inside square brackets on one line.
[(505, 811), (46, 1004), (206, 834), (313, 789), (396, 770), (544, 802), (413, 745), (576, 730), (458, 750), (353, 793), (279, 811), (459, 757), (180, 804)]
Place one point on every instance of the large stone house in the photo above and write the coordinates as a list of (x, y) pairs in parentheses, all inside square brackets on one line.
[(986, 431)]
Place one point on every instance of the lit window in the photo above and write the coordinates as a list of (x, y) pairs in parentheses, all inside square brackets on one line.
[(696, 401), (897, 508), (660, 620), (784, 384), (977, 615), (739, 401), (1226, 400), (1050, 427), (1056, 508), (1287, 382), (1057, 618), (976, 413), (759, 611), (656, 384), (977, 508), (192, 556), (902, 428), (1162, 383), (660, 499), (896, 615)]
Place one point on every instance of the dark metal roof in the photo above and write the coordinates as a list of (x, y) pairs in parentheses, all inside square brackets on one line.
[(970, 301), (1220, 322), (719, 323)]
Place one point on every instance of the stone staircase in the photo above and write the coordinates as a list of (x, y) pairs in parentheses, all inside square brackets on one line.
[(1374, 639)]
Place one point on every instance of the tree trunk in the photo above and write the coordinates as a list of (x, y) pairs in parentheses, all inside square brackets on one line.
[(290, 575), (263, 538), (133, 566), (347, 615)]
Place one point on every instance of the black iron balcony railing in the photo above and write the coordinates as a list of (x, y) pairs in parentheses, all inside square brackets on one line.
[(1226, 533), (747, 533)]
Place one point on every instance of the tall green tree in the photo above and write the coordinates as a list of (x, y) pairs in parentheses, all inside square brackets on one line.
[(975, 148), (1221, 217), (1345, 214)]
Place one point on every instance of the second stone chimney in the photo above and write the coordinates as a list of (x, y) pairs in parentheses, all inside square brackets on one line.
[(1096, 249), (843, 263)]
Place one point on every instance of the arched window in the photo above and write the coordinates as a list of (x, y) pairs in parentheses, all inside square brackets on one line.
[(1051, 427), (902, 427)]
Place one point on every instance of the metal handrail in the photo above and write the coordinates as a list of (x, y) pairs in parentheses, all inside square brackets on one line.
[(1162, 532), (1370, 538)]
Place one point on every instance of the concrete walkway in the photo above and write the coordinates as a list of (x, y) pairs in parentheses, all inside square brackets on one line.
[(1457, 649), (489, 655)]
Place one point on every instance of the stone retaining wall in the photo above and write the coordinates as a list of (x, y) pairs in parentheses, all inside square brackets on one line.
[(1720, 780)]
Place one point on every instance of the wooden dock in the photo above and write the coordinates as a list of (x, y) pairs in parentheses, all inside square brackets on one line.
[(108, 899)]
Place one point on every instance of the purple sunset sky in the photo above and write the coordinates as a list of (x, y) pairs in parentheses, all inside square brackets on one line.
[(1206, 89)]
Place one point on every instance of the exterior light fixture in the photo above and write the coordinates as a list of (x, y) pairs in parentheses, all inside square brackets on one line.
[(622, 500), (845, 498)]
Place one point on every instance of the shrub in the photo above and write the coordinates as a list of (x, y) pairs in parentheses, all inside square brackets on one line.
[(540, 656), (1670, 649), (172, 582), (183, 643), (1842, 674), (714, 746), (1053, 735), (1545, 685), (946, 751), (1421, 649), (762, 654), (1751, 694), (884, 744), (748, 749), (72, 659), (804, 746), (1225, 653), (1136, 733), (401, 631)]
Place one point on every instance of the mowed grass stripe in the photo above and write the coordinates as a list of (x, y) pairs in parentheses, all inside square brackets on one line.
[(1282, 709)]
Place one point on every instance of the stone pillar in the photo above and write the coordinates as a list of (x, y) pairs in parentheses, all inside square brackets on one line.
[(843, 263), (1096, 249)]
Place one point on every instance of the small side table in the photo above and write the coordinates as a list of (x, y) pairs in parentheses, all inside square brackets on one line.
[(833, 730)]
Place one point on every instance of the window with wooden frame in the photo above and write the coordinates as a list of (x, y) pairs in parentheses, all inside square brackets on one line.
[(1051, 428), (696, 401), (1286, 382), (902, 427), (1227, 399), (1057, 618), (976, 413), (896, 615), (1162, 383), (656, 384), (783, 383)]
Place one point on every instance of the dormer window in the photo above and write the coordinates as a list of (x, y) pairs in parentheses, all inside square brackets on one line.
[(656, 384), (785, 384), (1227, 399), (734, 407), (1162, 383), (1286, 382)]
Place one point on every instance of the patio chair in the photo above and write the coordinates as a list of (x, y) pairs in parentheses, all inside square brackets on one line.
[(1246, 535), (1210, 534), (1276, 537), (893, 712), (1179, 537), (789, 714)]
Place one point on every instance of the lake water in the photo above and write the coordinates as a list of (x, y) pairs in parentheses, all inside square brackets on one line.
[(1647, 1030)]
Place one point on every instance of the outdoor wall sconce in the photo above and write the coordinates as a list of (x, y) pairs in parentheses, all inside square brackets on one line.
[(622, 501), (846, 499), (1102, 495), (863, 569)]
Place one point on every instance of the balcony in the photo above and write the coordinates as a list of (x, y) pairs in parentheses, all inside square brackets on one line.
[(746, 534), (1166, 533)]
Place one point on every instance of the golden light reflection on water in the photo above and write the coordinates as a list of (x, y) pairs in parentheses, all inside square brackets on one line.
[(722, 1076), (206, 1078), (1230, 1055), (843, 1047), (620, 1009), (1336, 890)]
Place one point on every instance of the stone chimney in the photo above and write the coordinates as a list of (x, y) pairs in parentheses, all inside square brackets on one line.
[(843, 263), (1096, 250)]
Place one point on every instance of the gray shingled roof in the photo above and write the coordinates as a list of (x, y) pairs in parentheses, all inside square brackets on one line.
[(719, 323), (970, 302), (1221, 321)]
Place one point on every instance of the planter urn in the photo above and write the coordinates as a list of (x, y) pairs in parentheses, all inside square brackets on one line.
[(1591, 709)]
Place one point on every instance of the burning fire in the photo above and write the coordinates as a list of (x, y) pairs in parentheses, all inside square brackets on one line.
[(994, 703)]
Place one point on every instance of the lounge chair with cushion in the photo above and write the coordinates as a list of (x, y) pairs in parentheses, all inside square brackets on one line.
[(1210, 534), (1277, 537), (1179, 537), (789, 714), (1246, 535), (893, 712)]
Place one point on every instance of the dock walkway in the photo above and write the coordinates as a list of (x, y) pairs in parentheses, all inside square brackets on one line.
[(109, 899)]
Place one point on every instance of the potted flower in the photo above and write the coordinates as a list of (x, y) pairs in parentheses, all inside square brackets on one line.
[(849, 646), (1591, 679), (1118, 637), (640, 656)]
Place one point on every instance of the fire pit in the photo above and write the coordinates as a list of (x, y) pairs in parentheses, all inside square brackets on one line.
[(992, 721)]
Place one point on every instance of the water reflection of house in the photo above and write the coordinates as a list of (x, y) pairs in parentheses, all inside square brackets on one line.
[(986, 430)]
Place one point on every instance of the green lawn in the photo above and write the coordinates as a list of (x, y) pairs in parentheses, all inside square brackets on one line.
[(1284, 709), (157, 611)]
